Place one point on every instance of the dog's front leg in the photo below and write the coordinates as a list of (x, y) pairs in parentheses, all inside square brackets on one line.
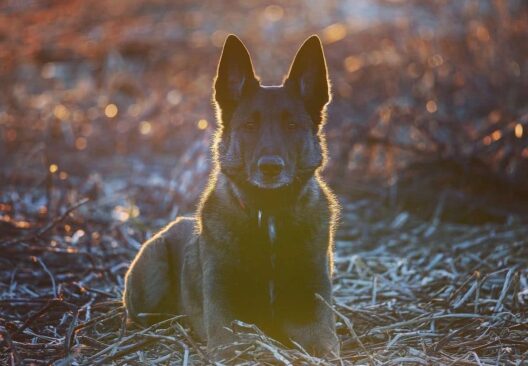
[(308, 320), (217, 313), (318, 336)]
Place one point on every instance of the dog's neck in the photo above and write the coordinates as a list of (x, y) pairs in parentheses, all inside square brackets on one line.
[(267, 202)]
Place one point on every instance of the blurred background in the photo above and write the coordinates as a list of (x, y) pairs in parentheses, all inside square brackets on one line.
[(105, 123), (430, 97)]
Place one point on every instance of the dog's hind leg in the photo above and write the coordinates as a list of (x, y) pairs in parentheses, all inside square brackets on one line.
[(152, 281)]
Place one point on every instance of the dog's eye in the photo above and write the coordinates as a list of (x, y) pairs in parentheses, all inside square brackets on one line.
[(292, 125), (250, 126)]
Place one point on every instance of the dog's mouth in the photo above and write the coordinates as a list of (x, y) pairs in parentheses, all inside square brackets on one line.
[(269, 183), (263, 184)]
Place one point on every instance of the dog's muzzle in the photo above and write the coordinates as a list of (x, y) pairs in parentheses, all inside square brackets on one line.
[(270, 166)]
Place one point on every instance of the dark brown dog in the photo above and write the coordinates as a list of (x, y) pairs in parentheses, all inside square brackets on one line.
[(259, 248)]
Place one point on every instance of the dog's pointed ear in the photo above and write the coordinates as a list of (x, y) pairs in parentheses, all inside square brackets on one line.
[(234, 77), (308, 76)]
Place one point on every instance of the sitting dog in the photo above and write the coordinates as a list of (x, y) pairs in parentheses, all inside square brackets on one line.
[(259, 247)]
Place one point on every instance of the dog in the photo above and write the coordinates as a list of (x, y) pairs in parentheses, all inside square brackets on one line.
[(259, 248)]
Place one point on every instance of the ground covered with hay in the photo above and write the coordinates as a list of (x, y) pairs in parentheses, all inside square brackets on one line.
[(105, 120), (407, 290)]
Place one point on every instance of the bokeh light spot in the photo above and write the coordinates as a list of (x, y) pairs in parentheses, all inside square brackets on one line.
[(202, 124), (435, 60), (111, 110), (174, 97), (11, 135), (495, 116), (274, 13), (145, 127), (53, 168), (81, 143), (334, 33), (353, 63), (496, 135), (124, 213), (431, 106), (518, 130), (61, 112)]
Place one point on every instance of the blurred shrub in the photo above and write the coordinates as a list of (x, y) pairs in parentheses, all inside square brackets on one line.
[(413, 80)]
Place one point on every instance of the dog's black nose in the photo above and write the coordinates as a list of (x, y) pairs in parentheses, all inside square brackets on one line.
[(270, 166)]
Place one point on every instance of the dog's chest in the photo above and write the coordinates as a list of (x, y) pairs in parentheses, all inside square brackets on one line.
[(269, 241), (267, 225)]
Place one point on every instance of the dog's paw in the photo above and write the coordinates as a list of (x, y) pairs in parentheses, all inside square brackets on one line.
[(317, 341)]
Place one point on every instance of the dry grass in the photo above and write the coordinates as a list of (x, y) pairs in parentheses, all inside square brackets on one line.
[(407, 291)]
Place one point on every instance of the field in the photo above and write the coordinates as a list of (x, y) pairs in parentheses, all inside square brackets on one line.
[(105, 121)]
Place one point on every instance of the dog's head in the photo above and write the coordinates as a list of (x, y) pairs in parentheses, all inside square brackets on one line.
[(269, 136)]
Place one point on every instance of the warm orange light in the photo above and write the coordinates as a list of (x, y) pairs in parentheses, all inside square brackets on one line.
[(53, 168), (353, 63), (435, 60), (61, 112), (495, 116), (202, 124), (274, 13), (518, 130), (11, 135), (431, 106), (145, 128), (334, 33), (80, 143), (111, 110), (124, 213), (482, 33), (496, 135)]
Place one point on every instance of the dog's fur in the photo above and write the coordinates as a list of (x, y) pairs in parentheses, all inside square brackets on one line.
[(259, 248)]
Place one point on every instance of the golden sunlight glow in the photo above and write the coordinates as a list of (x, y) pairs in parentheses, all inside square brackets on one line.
[(482, 33), (274, 13), (124, 213), (53, 168), (435, 60), (495, 116), (61, 112), (353, 63), (81, 143), (334, 33), (518, 130), (202, 124), (145, 127), (431, 106), (11, 135), (496, 135), (111, 110)]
